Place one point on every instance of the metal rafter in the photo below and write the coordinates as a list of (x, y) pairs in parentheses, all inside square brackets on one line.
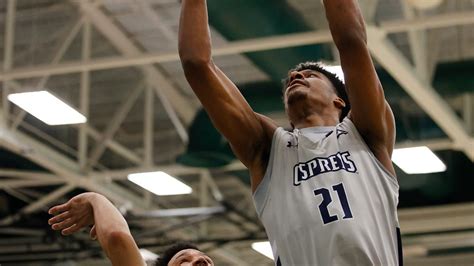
[(8, 51), (114, 124), (147, 9), (417, 40), (65, 44), (63, 47), (148, 125), (127, 47), (31, 183), (84, 95), (423, 94), (177, 170), (63, 167), (244, 46), (114, 146), (36, 205), (22, 174)]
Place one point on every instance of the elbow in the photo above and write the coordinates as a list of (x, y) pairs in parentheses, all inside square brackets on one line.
[(351, 39), (196, 65), (193, 58), (116, 240), (194, 62), (349, 36)]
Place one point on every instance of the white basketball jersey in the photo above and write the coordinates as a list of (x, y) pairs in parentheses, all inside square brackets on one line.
[(326, 200)]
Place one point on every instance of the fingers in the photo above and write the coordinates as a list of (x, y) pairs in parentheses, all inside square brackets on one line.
[(71, 229), (59, 208), (64, 224), (59, 218)]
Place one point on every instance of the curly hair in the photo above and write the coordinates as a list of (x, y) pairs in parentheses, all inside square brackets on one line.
[(168, 254), (335, 80)]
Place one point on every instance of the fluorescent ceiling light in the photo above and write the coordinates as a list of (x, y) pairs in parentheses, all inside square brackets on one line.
[(160, 183), (336, 70), (148, 255), (417, 160), (263, 248), (47, 108)]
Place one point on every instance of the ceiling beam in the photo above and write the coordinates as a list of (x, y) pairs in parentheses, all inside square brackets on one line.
[(38, 204), (178, 169), (32, 175), (63, 167), (438, 218), (235, 47), (84, 96), (421, 91), (429, 22), (114, 124), (127, 47), (31, 183), (148, 127), (63, 47), (8, 50), (115, 146), (417, 41)]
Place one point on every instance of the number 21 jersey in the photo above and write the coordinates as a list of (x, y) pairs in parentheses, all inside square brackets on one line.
[(326, 200)]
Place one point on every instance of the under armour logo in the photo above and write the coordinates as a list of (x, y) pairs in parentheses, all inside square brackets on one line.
[(289, 145), (339, 132)]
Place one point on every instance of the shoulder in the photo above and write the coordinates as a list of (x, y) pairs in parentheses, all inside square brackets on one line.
[(378, 149)]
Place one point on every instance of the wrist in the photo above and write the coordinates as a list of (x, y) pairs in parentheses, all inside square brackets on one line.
[(91, 198)]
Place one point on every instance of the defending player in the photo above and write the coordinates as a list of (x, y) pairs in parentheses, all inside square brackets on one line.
[(326, 192), (111, 229), (109, 226)]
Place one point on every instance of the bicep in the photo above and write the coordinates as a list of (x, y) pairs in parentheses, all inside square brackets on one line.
[(229, 111)]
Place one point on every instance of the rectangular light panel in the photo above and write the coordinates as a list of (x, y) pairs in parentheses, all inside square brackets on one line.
[(418, 160), (47, 108), (263, 248), (160, 183)]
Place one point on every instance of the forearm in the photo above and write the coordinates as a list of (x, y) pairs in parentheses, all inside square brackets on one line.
[(194, 36), (108, 221), (345, 22)]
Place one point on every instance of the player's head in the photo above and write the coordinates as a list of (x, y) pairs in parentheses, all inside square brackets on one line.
[(184, 254), (312, 84)]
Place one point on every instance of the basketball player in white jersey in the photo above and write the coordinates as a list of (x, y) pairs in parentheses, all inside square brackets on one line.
[(326, 192)]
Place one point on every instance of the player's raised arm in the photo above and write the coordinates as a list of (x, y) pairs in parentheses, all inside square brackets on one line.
[(109, 226), (248, 133), (370, 112)]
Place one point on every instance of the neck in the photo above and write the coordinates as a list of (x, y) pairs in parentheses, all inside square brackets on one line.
[(316, 120), (312, 114)]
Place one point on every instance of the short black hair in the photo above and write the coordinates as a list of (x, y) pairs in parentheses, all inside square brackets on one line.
[(168, 254), (335, 80)]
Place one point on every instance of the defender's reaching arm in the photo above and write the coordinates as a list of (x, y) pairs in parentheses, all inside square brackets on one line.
[(248, 133), (370, 112), (109, 226)]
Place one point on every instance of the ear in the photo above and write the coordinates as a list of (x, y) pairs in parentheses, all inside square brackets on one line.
[(339, 103)]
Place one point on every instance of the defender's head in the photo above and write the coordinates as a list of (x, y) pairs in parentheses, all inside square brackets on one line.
[(184, 254), (309, 84)]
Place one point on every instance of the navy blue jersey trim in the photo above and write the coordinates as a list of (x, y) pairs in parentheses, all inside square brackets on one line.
[(399, 244)]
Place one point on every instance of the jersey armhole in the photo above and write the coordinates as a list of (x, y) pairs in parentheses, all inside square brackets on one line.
[(261, 192), (347, 121)]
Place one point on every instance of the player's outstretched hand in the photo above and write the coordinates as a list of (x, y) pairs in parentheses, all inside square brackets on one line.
[(73, 215)]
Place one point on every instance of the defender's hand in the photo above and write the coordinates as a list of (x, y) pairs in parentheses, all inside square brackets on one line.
[(73, 215)]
